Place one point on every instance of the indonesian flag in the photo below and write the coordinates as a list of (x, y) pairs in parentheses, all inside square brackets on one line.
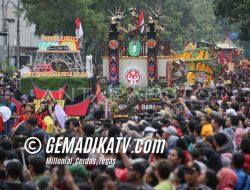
[(79, 30), (98, 94), (140, 22)]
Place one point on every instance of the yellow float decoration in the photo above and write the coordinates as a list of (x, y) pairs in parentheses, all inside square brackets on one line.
[(198, 63)]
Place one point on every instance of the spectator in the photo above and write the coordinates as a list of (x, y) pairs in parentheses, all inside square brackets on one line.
[(176, 157), (135, 175), (162, 171), (243, 180), (227, 179), (207, 129), (3, 176), (36, 169), (192, 174), (210, 179), (14, 172)]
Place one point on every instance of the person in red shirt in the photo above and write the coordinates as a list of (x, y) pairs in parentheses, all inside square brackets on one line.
[(30, 111)]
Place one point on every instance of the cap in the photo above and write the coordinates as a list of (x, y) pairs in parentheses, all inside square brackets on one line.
[(150, 130), (8, 93), (25, 98), (231, 112), (235, 92), (192, 167), (138, 167), (170, 130), (132, 9)]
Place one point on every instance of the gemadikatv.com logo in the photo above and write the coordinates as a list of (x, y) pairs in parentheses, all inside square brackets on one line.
[(85, 145)]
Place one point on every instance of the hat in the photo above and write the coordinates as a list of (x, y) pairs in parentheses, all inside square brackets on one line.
[(132, 9), (6, 162), (208, 110), (150, 130), (231, 112), (193, 167), (8, 93), (138, 167), (170, 130), (25, 98), (235, 92)]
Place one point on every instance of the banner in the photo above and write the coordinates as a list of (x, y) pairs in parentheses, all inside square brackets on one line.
[(89, 66)]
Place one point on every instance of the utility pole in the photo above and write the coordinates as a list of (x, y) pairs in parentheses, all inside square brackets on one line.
[(18, 34), (4, 24)]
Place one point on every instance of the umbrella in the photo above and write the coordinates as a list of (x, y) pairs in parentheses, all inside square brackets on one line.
[(5, 112), (60, 115)]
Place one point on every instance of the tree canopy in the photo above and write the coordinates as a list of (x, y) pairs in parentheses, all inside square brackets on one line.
[(237, 11), (186, 20)]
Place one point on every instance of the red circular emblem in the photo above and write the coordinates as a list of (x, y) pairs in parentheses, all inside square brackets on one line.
[(113, 44), (133, 77), (151, 43)]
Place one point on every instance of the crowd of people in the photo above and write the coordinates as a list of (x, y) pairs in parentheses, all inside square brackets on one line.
[(206, 132)]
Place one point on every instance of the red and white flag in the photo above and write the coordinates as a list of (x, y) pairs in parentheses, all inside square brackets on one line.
[(140, 22), (79, 30), (98, 93)]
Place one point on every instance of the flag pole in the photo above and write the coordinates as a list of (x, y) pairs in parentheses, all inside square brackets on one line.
[(84, 49)]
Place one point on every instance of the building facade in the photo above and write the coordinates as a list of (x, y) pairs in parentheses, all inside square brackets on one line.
[(28, 40)]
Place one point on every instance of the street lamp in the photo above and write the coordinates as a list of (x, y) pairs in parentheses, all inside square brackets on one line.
[(17, 7)]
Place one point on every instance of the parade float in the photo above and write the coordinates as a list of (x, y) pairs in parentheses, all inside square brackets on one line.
[(58, 74), (197, 62), (228, 55), (135, 56)]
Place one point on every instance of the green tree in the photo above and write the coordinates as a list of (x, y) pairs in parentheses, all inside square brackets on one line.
[(237, 11), (204, 25), (58, 17), (186, 20)]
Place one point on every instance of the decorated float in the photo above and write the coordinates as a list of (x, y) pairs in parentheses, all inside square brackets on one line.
[(228, 55), (197, 62), (135, 55), (135, 58), (58, 74), (135, 62)]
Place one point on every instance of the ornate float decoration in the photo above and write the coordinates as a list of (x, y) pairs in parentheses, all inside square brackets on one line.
[(58, 74), (198, 63), (61, 52), (137, 47)]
